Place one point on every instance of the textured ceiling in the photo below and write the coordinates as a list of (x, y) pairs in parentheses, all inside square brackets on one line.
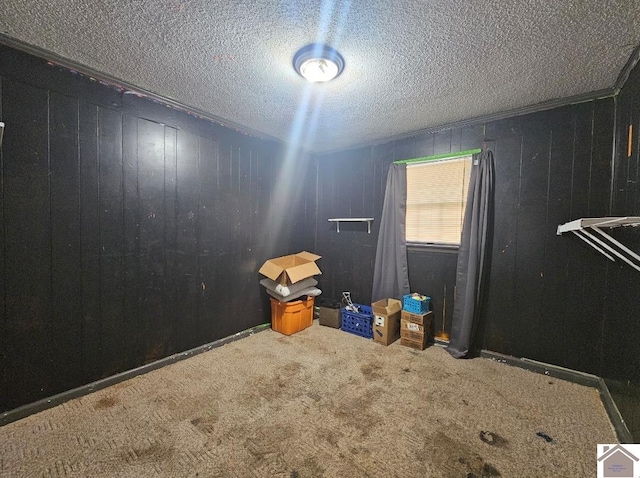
[(410, 65)]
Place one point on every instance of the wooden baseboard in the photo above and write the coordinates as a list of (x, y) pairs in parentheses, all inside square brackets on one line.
[(581, 378), (49, 402), (619, 425)]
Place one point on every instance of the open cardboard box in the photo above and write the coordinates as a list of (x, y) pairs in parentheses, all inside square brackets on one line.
[(287, 270), (386, 322)]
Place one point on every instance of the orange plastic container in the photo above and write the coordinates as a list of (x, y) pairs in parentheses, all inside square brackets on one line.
[(291, 317)]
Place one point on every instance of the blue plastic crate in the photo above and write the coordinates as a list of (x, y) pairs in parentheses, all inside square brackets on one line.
[(415, 306), (358, 323)]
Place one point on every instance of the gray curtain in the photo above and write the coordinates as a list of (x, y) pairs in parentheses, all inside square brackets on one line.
[(473, 256), (390, 272)]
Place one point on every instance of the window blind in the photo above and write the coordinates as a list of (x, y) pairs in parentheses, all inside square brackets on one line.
[(436, 200)]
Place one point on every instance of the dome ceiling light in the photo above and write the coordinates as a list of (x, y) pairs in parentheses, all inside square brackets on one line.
[(318, 63)]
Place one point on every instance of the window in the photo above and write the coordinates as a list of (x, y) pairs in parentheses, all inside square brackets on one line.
[(436, 200)]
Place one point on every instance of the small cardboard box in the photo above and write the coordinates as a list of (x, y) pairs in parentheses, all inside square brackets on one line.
[(414, 344), (420, 319), (287, 270), (386, 320), (413, 331)]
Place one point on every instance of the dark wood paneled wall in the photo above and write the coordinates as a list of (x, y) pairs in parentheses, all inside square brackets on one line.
[(547, 294), (621, 329), (129, 231)]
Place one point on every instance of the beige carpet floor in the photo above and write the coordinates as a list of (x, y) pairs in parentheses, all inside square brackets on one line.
[(319, 403)]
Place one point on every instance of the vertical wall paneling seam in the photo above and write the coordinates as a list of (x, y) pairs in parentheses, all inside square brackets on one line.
[(517, 228), (137, 241), (631, 192), (235, 214), (255, 229), (239, 178), (566, 259), (591, 148), (99, 251), (315, 228), (253, 179), (574, 126), (176, 209), (236, 217), (218, 170), (250, 208), (546, 218), (269, 230), (3, 322), (165, 216), (627, 162), (198, 234), (80, 239), (124, 228), (363, 176), (50, 318), (307, 199), (573, 159), (255, 217), (603, 320), (630, 209), (349, 197), (613, 154)]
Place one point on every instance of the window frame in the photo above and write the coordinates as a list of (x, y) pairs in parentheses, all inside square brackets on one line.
[(440, 246)]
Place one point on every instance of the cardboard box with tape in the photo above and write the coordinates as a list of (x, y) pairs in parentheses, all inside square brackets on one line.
[(415, 329), (290, 278), (420, 319)]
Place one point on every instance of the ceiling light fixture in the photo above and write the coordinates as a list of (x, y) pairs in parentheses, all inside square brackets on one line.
[(318, 63)]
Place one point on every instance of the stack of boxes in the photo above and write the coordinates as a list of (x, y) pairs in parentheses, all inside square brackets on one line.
[(288, 278), (415, 321)]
